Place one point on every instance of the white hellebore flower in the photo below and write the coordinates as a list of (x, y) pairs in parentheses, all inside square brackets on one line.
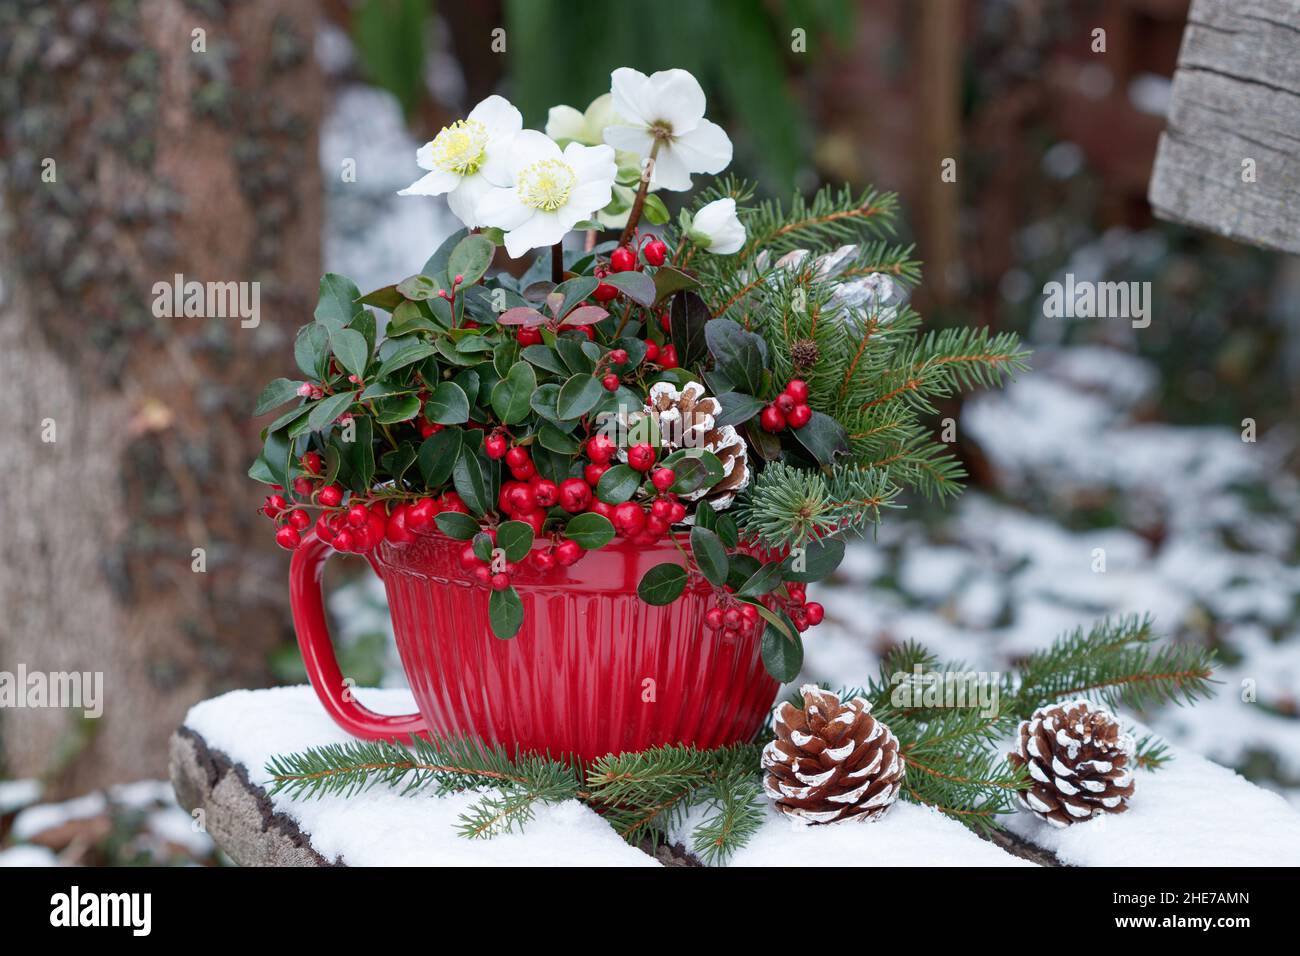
[(565, 124), (717, 229), (667, 107), (468, 157), (546, 191)]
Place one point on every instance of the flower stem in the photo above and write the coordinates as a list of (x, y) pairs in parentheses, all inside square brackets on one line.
[(639, 203), (557, 262)]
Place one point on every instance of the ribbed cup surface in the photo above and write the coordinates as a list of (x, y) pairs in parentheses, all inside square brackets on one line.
[(593, 670)]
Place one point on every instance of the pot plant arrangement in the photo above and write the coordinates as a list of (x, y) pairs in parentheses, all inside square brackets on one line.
[(597, 491)]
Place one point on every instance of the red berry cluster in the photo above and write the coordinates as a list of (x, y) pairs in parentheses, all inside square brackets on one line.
[(801, 611), (789, 408), (734, 618), (527, 497), (563, 553), (482, 570)]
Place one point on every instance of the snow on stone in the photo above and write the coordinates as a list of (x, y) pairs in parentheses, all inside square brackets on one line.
[(1191, 812), (907, 835), (380, 827)]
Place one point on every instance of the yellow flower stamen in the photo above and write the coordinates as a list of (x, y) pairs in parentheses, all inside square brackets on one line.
[(459, 148), (546, 184)]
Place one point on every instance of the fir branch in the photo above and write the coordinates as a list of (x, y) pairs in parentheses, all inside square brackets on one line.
[(790, 507)]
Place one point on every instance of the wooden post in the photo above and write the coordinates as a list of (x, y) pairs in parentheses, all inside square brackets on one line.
[(1229, 158)]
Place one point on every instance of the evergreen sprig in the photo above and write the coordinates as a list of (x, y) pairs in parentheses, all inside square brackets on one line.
[(954, 754), (790, 507)]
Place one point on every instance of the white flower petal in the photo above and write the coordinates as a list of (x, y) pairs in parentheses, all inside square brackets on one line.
[(564, 122), (718, 221), (591, 162), (630, 90), (541, 229), (498, 115), (424, 156), (706, 149), (432, 184), (670, 172), (501, 208), (675, 98), (464, 199), (631, 139), (588, 198), (529, 147)]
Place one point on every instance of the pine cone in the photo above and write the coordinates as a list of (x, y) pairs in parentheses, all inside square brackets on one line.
[(1080, 763), (687, 419), (831, 762)]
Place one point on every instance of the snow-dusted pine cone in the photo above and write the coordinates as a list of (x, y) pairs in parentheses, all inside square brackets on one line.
[(831, 761), (688, 419), (1080, 762)]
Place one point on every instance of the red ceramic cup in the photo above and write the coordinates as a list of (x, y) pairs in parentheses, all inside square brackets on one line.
[(593, 670)]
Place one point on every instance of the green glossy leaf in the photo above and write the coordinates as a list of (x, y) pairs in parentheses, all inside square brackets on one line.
[(470, 478), (275, 394), (387, 298), (550, 436), (590, 530), (543, 401), (710, 555), (470, 258), (482, 544), (740, 355), (516, 539), (398, 408), (618, 484), (337, 302), (456, 525), (654, 210), (762, 581), (505, 613), (637, 286), (818, 561), (311, 351), (328, 409), (403, 356), (578, 396), (727, 531), (436, 265), (574, 291), (669, 280), (687, 320), (662, 584), (438, 454), (782, 656), (349, 347), (513, 394), (448, 405), (823, 437), (738, 408), (544, 358)]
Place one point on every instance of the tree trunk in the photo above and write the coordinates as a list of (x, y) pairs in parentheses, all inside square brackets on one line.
[(129, 155)]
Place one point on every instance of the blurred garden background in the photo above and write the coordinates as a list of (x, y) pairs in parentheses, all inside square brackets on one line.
[(1133, 470)]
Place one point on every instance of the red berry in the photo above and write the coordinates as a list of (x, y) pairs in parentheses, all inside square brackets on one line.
[(376, 528), (666, 322), (604, 509), (656, 527), (517, 456), (604, 292), (525, 471), (629, 518), (450, 501), (785, 403), (662, 508), (799, 416), (610, 382), (655, 252), (731, 617), (288, 538), (749, 613), (641, 457), (500, 582), (522, 498), (534, 519), (543, 560), (668, 356), (679, 512), (622, 259), (546, 492), (468, 559), (663, 478), (815, 612), (358, 514), (713, 619), (312, 462), (274, 505), (575, 495), (798, 390), (651, 352), (421, 513), (325, 528), (343, 540), (495, 446), (331, 496), (618, 356), (397, 531), (526, 337), (771, 419), (483, 574), (797, 592), (593, 472), (302, 486), (427, 428), (299, 519), (600, 449), (567, 553)]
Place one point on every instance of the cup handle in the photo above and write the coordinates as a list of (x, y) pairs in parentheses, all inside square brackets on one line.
[(318, 651)]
